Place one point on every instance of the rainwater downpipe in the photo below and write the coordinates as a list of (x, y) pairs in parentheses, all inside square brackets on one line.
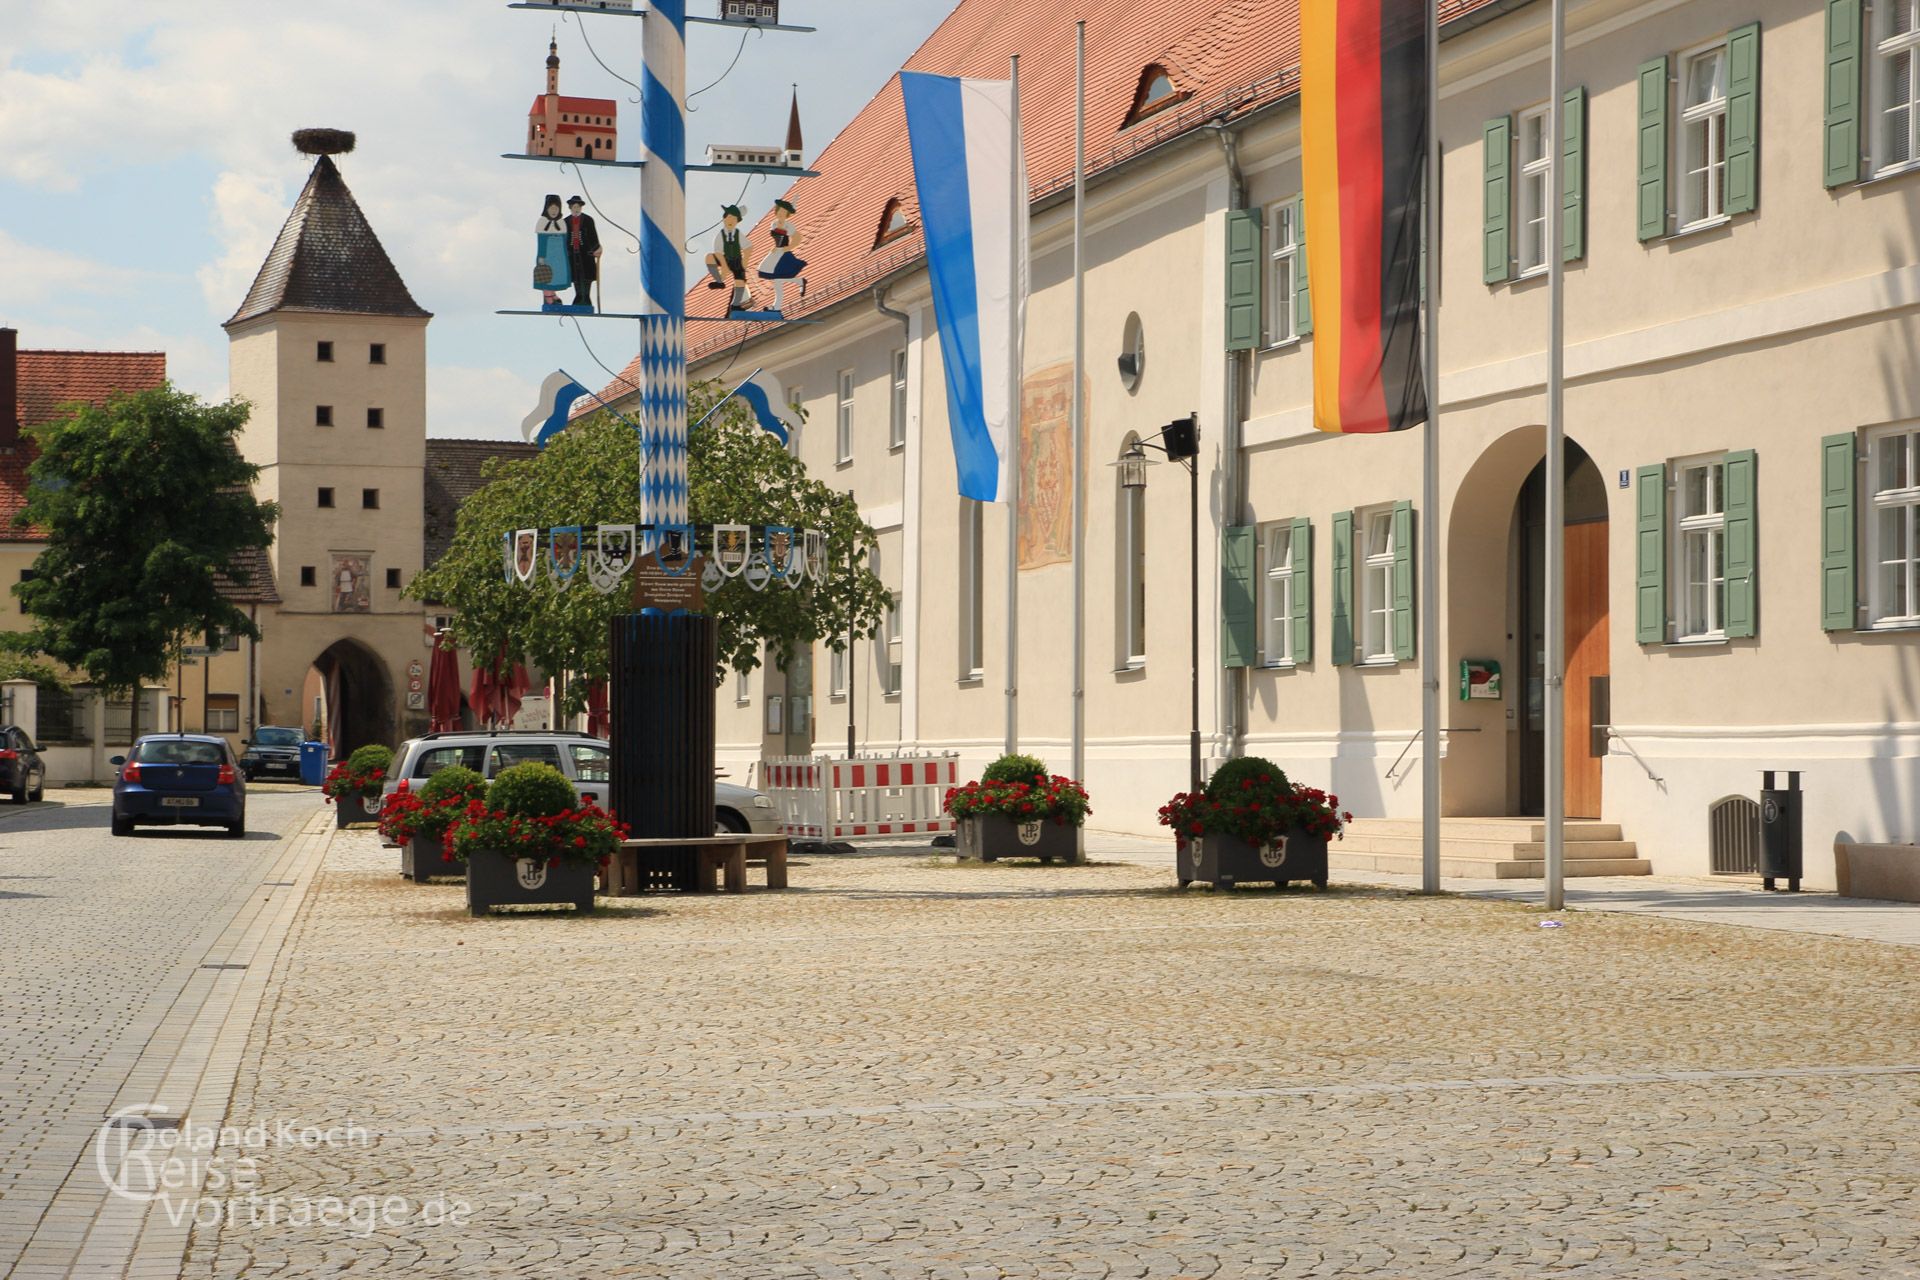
[(1233, 685)]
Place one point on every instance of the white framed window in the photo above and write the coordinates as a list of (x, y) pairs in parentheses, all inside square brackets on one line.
[(1133, 577), (742, 687), (892, 649), (1283, 260), (1701, 141), (1893, 523), (897, 405), (836, 673), (1895, 141), (973, 589), (843, 418), (1700, 548), (1377, 569), (1530, 192), (1276, 599)]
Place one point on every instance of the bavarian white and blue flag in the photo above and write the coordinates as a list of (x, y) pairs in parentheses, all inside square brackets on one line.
[(974, 200), (549, 416)]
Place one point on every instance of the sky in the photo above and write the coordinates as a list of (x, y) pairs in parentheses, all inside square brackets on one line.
[(148, 168)]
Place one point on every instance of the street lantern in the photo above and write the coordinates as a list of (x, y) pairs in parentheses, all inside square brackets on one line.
[(1179, 440)]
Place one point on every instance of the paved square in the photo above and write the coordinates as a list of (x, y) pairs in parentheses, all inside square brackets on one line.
[(907, 1067)]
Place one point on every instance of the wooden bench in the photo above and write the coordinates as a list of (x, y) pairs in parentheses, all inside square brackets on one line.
[(724, 856)]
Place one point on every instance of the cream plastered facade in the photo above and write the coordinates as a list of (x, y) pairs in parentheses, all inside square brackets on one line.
[(274, 365), (1767, 332)]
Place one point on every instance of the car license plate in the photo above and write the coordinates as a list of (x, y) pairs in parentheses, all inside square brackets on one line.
[(179, 802)]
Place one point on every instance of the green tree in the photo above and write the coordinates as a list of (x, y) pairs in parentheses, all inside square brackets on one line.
[(588, 474), (146, 502)]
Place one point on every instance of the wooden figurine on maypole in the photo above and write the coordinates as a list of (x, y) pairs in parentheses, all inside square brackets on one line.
[(730, 254), (781, 263)]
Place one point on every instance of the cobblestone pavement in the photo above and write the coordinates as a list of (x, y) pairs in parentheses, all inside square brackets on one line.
[(910, 1068), (99, 938)]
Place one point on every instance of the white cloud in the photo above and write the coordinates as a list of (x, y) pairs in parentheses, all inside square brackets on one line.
[(247, 213), (37, 274), (482, 404)]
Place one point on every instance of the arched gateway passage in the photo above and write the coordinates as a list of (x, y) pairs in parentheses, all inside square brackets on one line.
[(356, 697), (1496, 609)]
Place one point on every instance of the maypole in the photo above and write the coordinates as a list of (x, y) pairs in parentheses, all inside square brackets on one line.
[(663, 275)]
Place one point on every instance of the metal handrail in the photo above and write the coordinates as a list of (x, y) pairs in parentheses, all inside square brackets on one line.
[(1614, 735), (1417, 734)]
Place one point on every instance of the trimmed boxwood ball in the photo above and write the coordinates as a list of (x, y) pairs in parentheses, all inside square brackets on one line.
[(454, 780), (531, 790), (1227, 778), (1016, 768), (370, 757)]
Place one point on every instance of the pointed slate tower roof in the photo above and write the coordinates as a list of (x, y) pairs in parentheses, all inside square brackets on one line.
[(327, 258)]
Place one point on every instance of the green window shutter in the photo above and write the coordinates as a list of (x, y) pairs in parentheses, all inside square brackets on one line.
[(1303, 590), (1573, 177), (1652, 150), (1239, 624), (1243, 279), (1742, 546), (1403, 585), (1496, 260), (1650, 554), (1743, 119), (1343, 588), (1838, 601), (1302, 293), (1843, 93)]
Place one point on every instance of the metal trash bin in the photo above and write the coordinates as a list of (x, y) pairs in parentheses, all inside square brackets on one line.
[(1780, 831), (313, 763)]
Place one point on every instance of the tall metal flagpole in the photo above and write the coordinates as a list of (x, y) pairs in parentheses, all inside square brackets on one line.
[(1079, 769), (1556, 480), (1430, 487), (1017, 210)]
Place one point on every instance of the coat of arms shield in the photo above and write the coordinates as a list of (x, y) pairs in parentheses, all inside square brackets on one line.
[(780, 549), (563, 553), (732, 548), (611, 555), (816, 544), (526, 553), (675, 550)]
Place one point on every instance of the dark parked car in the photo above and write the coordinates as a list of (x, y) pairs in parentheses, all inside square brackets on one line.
[(23, 774), (179, 779), (272, 752)]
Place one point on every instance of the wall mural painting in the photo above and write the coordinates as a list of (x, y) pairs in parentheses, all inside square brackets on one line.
[(349, 583), (1046, 466)]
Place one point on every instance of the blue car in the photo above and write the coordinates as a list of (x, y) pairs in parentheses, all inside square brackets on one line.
[(179, 779)]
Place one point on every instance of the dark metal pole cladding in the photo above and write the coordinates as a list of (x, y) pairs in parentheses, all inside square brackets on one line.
[(662, 736)]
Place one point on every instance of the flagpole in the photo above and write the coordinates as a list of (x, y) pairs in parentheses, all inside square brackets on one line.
[(1016, 211), (1430, 486), (1555, 725), (1079, 767)]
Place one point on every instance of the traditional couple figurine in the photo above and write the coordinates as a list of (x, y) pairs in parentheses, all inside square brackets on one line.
[(569, 254), (780, 265)]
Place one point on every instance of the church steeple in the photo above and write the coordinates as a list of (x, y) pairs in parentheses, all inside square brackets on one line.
[(553, 67), (793, 128)]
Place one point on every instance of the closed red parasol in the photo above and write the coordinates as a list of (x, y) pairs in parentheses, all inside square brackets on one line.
[(598, 721), (443, 685)]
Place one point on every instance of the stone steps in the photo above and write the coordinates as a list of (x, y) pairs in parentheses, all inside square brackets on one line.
[(1487, 848)]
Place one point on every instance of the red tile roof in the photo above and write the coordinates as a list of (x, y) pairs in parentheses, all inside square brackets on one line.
[(1227, 57), (50, 379), (590, 106)]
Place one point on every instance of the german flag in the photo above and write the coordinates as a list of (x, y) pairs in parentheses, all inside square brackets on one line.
[(1363, 117)]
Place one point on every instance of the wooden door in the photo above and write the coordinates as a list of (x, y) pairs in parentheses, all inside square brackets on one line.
[(1586, 566)]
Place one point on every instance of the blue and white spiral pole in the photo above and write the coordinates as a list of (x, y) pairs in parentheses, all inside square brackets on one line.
[(663, 273)]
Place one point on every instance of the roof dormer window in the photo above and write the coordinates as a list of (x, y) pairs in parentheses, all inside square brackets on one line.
[(1156, 93), (893, 223)]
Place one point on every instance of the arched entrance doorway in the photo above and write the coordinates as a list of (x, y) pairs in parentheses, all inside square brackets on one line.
[(356, 697), (1496, 609)]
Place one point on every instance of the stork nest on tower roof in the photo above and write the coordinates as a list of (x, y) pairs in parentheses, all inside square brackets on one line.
[(323, 142)]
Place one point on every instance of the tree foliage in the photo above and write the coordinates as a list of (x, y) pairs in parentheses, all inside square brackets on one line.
[(738, 474), (146, 502)]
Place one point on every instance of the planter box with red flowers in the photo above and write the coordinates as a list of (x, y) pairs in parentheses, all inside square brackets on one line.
[(417, 821), (350, 785), (532, 842), (1018, 810), (1251, 823)]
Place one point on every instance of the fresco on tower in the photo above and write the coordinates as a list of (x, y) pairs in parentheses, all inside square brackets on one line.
[(349, 584)]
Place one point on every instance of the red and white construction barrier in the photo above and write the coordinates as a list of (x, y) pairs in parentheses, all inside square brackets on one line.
[(824, 798)]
